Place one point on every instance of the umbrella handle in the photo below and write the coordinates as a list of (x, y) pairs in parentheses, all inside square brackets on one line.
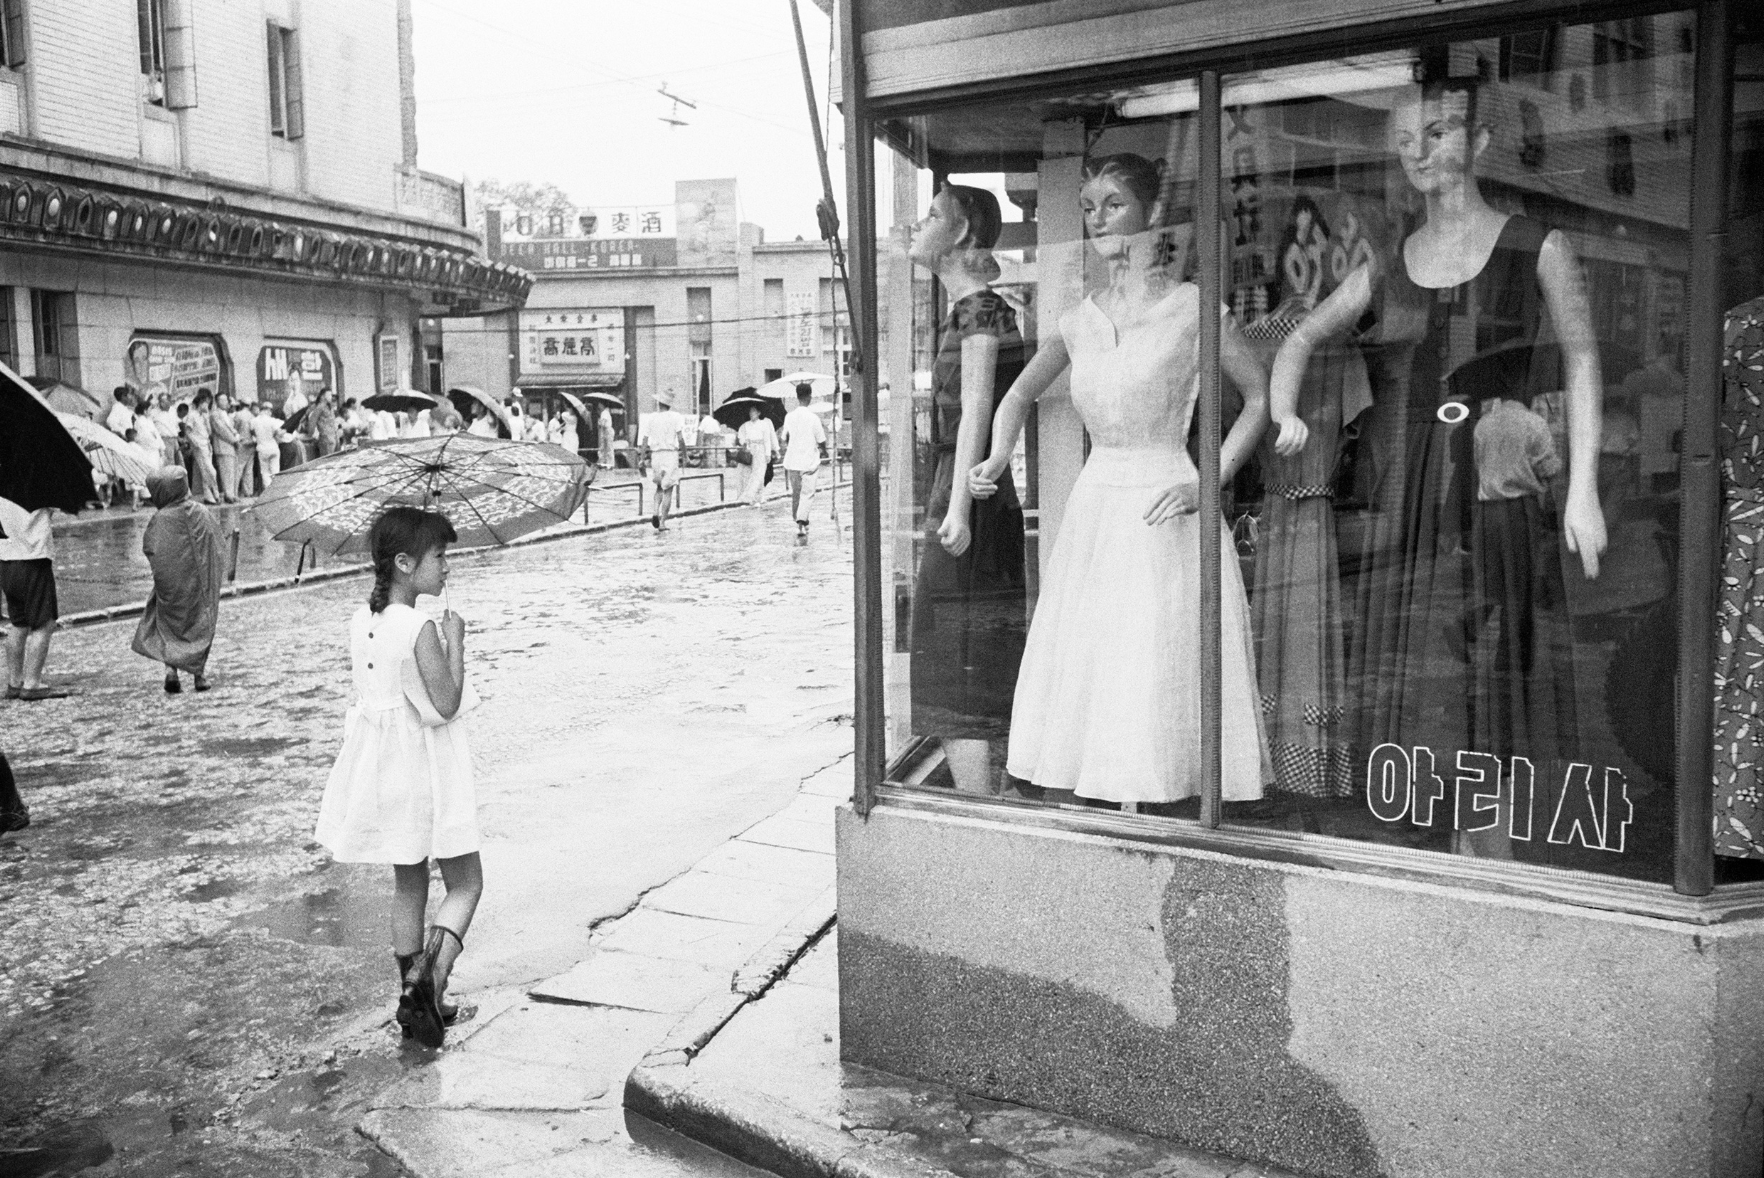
[(233, 557)]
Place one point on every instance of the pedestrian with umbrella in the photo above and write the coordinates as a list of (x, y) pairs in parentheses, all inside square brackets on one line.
[(184, 547), (42, 468), (401, 791), (755, 420)]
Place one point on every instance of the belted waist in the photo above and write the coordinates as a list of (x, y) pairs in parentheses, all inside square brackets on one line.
[(1138, 466), (1297, 492)]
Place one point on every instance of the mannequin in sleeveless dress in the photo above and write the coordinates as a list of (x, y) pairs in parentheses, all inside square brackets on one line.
[(1106, 705), (1438, 144), (1427, 667)]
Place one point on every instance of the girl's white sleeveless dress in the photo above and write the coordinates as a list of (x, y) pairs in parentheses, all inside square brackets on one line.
[(1108, 698), (401, 790)]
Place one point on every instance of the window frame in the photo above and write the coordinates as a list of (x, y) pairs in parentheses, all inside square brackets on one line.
[(1692, 895), (287, 104)]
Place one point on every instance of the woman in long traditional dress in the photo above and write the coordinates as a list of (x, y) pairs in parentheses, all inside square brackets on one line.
[(758, 437), (183, 545), (1108, 702), (1462, 635)]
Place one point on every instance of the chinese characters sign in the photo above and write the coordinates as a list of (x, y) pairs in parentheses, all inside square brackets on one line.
[(802, 327), (577, 339), (180, 367)]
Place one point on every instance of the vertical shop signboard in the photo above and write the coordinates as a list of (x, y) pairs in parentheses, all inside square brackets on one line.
[(802, 326)]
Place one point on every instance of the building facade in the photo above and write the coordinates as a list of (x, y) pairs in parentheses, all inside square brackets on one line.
[(195, 193), (632, 301)]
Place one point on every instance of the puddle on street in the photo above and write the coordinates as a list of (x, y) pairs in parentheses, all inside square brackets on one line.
[(247, 746), (214, 889)]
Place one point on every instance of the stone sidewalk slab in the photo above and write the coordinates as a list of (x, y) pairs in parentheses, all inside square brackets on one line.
[(770, 1089), (529, 1089)]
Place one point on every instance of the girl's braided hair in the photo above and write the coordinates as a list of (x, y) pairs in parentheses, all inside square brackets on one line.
[(408, 531)]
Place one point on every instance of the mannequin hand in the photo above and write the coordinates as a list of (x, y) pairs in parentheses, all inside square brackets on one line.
[(983, 479), (955, 535), (1293, 435), (1174, 500), (1583, 527), (453, 629)]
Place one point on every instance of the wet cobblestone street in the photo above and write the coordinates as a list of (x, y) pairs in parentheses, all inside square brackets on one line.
[(190, 986)]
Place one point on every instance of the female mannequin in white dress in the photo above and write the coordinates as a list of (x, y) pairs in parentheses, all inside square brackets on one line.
[(1108, 700)]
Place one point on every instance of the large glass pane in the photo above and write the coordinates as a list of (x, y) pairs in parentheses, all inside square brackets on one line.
[(1739, 632), (1464, 267)]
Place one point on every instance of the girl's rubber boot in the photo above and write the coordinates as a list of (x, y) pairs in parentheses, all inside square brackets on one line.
[(449, 1011), (419, 1006)]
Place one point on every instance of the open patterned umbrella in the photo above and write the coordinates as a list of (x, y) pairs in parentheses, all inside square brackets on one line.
[(110, 454), (492, 490)]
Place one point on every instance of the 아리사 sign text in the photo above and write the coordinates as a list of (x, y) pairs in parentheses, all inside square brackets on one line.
[(1588, 806)]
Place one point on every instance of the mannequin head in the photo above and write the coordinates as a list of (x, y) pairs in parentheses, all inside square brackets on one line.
[(1120, 199), (961, 227), (1437, 134)]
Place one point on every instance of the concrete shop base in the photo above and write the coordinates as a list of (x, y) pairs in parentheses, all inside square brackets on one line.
[(1326, 1022)]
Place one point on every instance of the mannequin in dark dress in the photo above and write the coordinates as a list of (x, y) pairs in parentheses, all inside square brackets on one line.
[(970, 608), (1461, 634)]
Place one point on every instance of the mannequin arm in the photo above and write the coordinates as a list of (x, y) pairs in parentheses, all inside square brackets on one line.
[(1334, 316), (1013, 411), (979, 371), (1238, 363), (1583, 522)]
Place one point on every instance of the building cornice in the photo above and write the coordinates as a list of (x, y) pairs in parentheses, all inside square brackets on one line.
[(58, 213), (126, 177)]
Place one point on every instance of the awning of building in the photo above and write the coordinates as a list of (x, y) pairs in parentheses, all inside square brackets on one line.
[(561, 381)]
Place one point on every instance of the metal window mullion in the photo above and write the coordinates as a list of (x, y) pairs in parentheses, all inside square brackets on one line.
[(1207, 239), (1699, 473), (860, 186)]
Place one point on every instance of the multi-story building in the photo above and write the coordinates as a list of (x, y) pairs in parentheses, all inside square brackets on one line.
[(213, 193), (635, 300)]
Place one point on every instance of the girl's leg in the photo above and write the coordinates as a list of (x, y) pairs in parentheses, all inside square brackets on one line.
[(464, 877), (410, 898)]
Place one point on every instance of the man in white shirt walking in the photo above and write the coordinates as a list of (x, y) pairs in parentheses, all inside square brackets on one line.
[(27, 581), (805, 444), (267, 434), (659, 434)]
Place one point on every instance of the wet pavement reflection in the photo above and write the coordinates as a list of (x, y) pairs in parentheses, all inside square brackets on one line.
[(98, 561), (191, 986)]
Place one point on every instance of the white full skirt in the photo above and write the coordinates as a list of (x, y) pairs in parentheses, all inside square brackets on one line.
[(400, 792), (1108, 698)]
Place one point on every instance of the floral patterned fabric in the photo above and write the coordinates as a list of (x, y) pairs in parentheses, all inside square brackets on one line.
[(1739, 653)]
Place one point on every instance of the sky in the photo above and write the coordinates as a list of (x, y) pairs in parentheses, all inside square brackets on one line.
[(564, 91)]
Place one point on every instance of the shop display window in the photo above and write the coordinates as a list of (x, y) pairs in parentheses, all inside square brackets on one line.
[(1452, 287)]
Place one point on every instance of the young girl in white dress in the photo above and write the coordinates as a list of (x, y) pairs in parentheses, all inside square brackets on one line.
[(1108, 698), (401, 790)]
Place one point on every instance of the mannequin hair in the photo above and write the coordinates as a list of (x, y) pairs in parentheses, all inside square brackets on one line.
[(979, 210), (1140, 176), (402, 531)]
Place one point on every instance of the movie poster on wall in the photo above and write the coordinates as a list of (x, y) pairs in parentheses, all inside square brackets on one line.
[(283, 367), (178, 367)]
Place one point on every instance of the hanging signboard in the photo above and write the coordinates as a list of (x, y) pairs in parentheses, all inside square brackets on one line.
[(802, 327)]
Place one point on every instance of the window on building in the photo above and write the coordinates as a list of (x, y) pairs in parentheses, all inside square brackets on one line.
[(8, 337), (12, 33), (698, 374), (51, 312), (1419, 648), (167, 45), (1530, 57), (1621, 53), (773, 374), (774, 297), (286, 87), (436, 373)]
